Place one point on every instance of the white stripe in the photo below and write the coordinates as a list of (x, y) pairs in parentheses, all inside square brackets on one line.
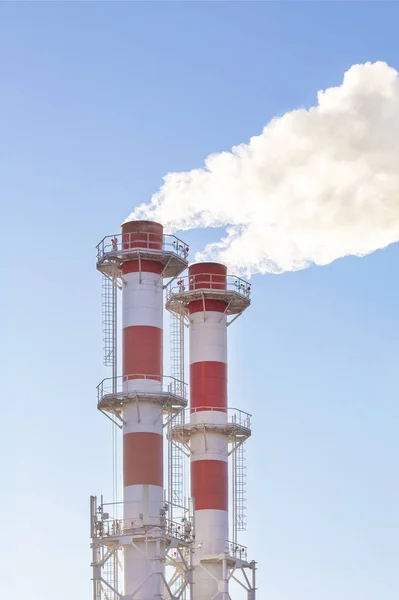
[(211, 532), (209, 446), (143, 571), (142, 303), (144, 386), (142, 417), (215, 417), (142, 505), (211, 527), (145, 500), (208, 339)]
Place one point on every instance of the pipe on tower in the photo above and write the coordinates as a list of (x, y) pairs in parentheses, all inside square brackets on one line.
[(142, 322), (208, 405)]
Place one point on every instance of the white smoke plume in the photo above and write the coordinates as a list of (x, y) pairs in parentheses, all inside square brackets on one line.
[(314, 186)]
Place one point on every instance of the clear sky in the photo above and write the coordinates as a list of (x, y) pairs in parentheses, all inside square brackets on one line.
[(98, 101)]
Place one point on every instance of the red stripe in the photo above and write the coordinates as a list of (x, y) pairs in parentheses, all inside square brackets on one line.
[(208, 384), (207, 276), (147, 266), (142, 459), (207, 267), (209, 484), (142, 234), (141, 240), (214, 305), (142, 350), (144, 226), (206, 281)]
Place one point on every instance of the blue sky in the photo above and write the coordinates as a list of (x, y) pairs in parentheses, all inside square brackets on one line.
[(98, 101)]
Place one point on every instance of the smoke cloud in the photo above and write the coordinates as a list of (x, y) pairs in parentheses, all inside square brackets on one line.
[(314, 186)]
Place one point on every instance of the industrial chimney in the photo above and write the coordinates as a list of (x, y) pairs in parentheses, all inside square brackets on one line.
[(159, 543)]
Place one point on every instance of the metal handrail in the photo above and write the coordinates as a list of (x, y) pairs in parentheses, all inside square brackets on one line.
[(235, 416), (112, 527), (209, 281), (115, 386), (123, 243), (238, 551), (218, 546)]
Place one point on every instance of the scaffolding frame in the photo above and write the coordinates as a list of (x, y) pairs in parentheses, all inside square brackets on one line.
[(110, 535)]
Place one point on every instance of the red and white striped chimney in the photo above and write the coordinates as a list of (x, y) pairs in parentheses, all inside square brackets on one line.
[(208, 405), (142, 322)]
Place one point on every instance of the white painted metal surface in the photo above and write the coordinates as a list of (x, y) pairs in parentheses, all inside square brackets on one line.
[(142, 300), (208, 337), (143, 417), (209, 445), (142, 504)]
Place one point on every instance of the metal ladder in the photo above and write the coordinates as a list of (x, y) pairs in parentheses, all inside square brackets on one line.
[(109, 290), (177, 350), (239, 512), (176, 456), (108, 294), (110, 574)]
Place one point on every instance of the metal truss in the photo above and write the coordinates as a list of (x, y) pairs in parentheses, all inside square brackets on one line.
[(235, 570)]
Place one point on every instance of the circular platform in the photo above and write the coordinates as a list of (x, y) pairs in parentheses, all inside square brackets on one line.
[(111, 263), (113, 402), (178, 302), (234, 431)]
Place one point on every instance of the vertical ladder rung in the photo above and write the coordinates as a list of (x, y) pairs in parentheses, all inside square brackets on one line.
[(176, 458), (109, 320)]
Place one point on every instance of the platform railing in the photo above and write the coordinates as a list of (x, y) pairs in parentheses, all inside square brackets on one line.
[(110, 527), (149, 384), (209, 281), (238, 551), (123, 243), (234, 416), (219, 546)]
